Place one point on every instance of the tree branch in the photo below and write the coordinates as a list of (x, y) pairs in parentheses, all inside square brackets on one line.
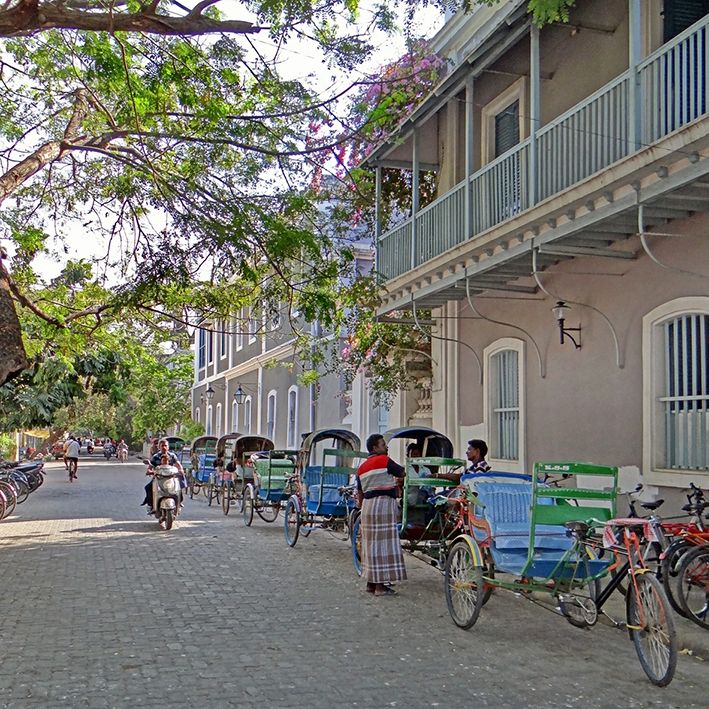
[(30, 16)]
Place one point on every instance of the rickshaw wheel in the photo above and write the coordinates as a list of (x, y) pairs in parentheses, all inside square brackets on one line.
[(357, 545), (291, 523), (651, 628), (268, 513), (248, 506), (463, 585), (226, 500)]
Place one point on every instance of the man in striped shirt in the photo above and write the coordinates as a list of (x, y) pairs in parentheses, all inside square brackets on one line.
[(382, 558)]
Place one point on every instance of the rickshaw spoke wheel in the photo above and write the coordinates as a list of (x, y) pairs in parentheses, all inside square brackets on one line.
[(268, 513), (248, 507), (651, 627), (464, 585), (226, 500), (693, 585), (291, 523), (356, 542)]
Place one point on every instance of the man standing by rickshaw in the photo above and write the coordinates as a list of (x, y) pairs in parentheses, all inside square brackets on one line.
[(382, 557)]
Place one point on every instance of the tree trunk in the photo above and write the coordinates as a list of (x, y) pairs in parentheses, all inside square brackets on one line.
[(13, 358)]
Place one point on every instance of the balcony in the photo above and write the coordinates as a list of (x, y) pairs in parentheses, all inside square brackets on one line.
[(662, 94)]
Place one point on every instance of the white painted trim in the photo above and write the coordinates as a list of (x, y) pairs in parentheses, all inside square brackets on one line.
[(516, 92), (220, 335), (273, 393), (292, 441), (234, 417), (519, 346), (218, 420), (209, 421), (653, 370), (248, 401)]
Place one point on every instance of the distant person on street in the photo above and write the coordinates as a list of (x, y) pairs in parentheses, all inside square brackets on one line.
[(72, 454), (377, 488), (163, 453)]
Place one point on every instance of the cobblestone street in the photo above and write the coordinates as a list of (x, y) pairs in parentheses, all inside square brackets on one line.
[(102, 609)]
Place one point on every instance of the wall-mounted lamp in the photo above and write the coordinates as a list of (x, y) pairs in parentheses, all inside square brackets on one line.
[(560, 311), (209, 394), (239, 394)]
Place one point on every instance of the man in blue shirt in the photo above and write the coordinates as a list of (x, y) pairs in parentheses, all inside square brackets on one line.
[(163, 450)]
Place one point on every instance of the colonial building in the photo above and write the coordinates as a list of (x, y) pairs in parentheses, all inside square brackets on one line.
[(562, 269), (247, 377)]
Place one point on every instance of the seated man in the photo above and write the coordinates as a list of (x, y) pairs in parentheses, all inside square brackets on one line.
[(476, 452), (163, 454)]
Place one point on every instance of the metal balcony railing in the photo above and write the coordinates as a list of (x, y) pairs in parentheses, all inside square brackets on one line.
[(672, 86)]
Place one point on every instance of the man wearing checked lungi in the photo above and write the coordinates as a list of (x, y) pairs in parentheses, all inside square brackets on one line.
[(382, 558)]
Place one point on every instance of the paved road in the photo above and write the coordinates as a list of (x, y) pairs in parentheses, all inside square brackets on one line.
[(104, 610)]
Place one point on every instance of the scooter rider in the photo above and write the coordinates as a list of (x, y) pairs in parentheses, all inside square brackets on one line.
[(163, 450)]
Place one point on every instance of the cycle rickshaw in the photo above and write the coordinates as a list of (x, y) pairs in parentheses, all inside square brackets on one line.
[(202, 458), (323, 496), (234, 452), (273, 483), (426, 530), (553, 545)]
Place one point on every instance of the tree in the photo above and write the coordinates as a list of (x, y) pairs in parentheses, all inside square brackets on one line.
[(113, 129)]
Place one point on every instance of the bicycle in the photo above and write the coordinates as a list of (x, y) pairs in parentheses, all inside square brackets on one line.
[(693, 585), (73, 465)]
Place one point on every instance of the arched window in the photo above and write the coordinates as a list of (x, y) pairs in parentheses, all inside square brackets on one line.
[(676, 390), (292, 417), (271, 416), (218, 423), (209, 427), (503, 394), (234, 416), (247, 415)]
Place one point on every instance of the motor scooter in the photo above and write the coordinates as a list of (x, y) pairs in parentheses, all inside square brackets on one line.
[(107, 450), (166, 493)]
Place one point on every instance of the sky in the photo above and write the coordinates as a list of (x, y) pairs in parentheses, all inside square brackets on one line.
[(298, 60)]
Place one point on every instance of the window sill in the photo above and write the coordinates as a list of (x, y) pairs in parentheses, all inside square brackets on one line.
[(677, 478)]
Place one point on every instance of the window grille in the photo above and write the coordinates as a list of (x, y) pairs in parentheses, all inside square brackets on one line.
[(686, 393), (504, 391)]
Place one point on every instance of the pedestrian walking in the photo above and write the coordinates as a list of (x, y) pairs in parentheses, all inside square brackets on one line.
[(377, 490)]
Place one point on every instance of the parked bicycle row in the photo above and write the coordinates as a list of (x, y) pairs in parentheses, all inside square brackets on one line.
[(17, 482), (553, 536)]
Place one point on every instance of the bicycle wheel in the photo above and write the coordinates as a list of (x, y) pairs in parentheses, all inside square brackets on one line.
[(226, 500), (248, 507), (693, 585), (10, 497), (464, 585), (269, 513), (356, 544), (23, 492), (669, 571), (291, 522), (3, 505), (651, 628)]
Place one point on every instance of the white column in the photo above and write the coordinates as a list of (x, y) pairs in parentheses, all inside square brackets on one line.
[(469, 155), (634, 88), (414, 197), (534, 112)]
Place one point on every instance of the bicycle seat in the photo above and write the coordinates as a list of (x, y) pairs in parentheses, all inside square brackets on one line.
[(652, 505), (577, 526)]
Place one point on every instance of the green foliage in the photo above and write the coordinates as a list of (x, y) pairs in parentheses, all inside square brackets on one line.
[(7, 446)]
